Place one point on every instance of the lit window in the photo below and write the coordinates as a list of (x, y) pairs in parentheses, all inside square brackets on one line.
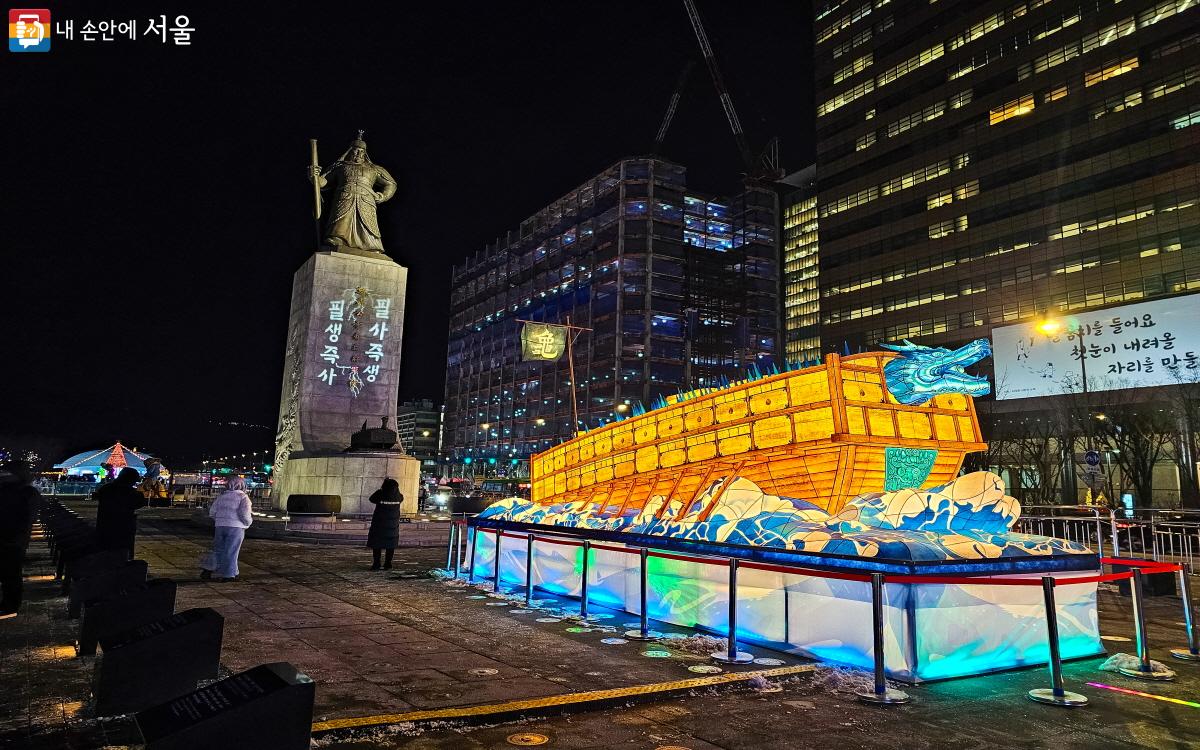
[(1056, 93), (1192, 118), (966, 190), (865, 141), (938, 199), (1009, 110), (857, 66), (1111, 69)]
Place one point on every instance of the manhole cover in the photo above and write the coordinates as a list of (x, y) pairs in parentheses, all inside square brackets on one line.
[(498, 604), (548, 619), (705, 669), (767, 661), (520, 611), (656, 654), (577, 629), (672, 747), (483, 672), (614, 641), (527, 739), (477, 596), (673, 636)]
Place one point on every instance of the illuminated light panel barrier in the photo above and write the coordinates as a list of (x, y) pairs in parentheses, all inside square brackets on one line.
[(933, 630)]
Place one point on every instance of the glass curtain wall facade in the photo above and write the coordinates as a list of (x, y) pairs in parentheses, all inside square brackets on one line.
[(982, 163), (801, 270), (678, 289)]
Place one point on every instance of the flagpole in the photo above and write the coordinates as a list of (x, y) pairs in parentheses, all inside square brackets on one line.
[(572, 332), (571, 366)]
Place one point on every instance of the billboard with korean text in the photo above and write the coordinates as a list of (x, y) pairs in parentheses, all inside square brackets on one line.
[(1131, 346)]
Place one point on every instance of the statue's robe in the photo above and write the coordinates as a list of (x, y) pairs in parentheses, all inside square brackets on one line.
[(353, 222)]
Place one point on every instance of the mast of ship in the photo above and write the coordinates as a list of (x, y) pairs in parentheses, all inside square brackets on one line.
[(572, 332)]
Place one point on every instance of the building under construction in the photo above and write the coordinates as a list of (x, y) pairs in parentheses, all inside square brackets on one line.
[(675, 290)]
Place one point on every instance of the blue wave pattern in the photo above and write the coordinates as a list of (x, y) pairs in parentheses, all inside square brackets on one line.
[(967, 519)]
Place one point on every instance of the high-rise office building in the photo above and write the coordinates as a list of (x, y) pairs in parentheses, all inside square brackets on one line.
[(799, 279), (678, 290), (985, 161), (419, 427)]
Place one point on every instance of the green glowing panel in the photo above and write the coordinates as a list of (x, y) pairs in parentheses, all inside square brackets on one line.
[(907, 467)]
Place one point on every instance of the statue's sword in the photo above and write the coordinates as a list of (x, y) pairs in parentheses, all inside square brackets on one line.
[(316, 187)]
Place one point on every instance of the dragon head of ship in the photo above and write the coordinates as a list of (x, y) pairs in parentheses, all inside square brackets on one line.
[(922, 372)]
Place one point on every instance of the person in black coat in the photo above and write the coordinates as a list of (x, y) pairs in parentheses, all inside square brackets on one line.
[(116, 524), (385, 522), (18, 505)]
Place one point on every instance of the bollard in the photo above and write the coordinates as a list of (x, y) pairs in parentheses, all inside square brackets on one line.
[(881, 694), (583, 592), (474, 533), (731, 655), (529, 570), (1192, 652), (1056, 695), (643, 633), (496, 561), (1145, 669), (450, 546)]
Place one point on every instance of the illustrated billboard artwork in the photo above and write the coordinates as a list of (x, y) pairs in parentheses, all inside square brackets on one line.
[(1131, 346)]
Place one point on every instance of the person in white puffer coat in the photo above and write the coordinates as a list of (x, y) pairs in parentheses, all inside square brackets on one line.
[(231, 517)]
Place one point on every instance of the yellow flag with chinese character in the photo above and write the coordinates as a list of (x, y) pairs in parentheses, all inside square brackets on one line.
[(540, 341)]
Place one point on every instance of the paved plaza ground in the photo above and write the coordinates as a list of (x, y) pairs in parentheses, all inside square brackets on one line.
[(402, 640)]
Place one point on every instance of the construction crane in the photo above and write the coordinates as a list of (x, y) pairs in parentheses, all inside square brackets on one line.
[(719, 82), (767, 165), (666, 123)]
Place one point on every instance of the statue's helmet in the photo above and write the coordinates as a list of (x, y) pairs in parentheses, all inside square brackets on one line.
[(358, 142)]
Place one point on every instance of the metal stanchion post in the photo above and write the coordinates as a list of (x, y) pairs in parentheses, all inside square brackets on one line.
[(458, 553), (1192, 652), (496, 561), (528, 569), (450, 545), (1056, 695), (474, 533), (458, 532), (731, 655), (1145, 670), (1112, 526), (583, 588), (881, 693), (643, 633)]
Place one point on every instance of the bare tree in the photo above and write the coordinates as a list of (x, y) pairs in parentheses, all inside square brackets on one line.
[(1140, 434), (1183, 401)]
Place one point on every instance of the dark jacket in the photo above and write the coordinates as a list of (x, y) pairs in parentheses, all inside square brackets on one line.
[(17, 504), (385, 520), (116, 524)]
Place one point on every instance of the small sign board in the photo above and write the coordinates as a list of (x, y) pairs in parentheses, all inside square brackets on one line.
[(268, 706), (131, 675)]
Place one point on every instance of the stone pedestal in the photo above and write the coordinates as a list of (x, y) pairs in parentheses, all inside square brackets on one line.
[(354, 476), (342, 369)]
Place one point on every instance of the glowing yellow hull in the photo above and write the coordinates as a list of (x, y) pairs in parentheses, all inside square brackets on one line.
[(817, 434)]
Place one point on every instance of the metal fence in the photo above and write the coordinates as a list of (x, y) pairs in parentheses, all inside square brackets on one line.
[(1162, 535)]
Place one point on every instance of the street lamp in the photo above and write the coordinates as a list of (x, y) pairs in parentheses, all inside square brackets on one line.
[(540, 422), (1052, 327), (485, 426), (622, 408)]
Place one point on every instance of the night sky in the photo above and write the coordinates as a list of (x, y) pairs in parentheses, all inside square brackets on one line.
[(156, 203)]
